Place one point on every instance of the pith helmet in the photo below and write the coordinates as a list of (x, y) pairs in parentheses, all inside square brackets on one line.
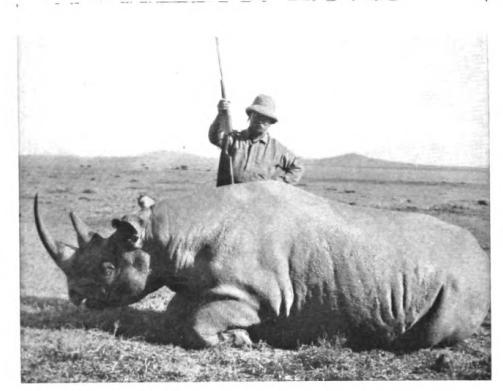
[(263, 104)]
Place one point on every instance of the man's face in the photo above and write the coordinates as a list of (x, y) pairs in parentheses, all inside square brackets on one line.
[(259, 123)]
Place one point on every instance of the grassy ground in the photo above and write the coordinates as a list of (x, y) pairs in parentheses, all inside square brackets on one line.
[(62, 343)]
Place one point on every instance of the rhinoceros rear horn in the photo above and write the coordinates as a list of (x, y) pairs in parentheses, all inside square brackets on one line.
[(84, 233), (59, 252)]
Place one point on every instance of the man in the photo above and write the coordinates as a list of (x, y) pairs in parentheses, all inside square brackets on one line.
[(253, 153)]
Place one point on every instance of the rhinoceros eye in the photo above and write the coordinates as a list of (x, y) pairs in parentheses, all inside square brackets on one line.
[(108, 268)]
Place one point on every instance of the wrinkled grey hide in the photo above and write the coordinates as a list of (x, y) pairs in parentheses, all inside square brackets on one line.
[(285, 266)]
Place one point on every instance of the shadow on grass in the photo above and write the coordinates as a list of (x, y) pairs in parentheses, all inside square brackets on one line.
[(150, 325), (54, 313)]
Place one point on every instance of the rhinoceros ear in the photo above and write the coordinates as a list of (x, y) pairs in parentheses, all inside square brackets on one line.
[(130, 229), (145, 202)]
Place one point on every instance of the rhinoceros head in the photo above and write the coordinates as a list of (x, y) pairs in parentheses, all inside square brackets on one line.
[(102, 272)]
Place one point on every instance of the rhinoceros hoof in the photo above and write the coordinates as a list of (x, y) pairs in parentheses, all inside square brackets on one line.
[(237, 338)]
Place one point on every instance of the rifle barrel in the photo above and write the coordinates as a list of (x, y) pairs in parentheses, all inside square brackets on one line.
[(222, 86)]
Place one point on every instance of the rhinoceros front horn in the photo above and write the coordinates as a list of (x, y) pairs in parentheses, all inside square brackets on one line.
[(84, 233), (60, 252)]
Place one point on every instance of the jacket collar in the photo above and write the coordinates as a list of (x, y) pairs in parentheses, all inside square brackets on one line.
[(264, 139)]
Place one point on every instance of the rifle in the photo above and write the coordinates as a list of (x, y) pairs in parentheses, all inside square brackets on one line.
[(228, 122)]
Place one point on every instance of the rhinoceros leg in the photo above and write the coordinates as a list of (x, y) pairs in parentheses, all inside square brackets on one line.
[(221, 321), (446, 322), (175, 323)]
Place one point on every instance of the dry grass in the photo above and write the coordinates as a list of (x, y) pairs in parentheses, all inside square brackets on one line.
[(62, 343), (76, 354)]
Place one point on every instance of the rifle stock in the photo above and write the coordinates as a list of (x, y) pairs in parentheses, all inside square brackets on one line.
[(227, 123)]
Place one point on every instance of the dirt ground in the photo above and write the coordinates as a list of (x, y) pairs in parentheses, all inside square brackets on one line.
[(62, 343)]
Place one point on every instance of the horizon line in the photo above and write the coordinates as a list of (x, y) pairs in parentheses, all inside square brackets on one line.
[(74, 155)]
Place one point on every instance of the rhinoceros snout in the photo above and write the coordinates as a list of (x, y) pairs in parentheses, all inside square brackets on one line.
[(94, 304), (75, 297)]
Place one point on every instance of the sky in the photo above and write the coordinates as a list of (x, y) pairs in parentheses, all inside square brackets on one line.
[(345, 80)]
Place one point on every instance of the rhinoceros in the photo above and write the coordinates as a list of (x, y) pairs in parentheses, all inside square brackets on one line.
[(269, 261)]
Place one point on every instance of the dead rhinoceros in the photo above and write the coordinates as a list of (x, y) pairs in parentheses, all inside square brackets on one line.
[(283, 265)]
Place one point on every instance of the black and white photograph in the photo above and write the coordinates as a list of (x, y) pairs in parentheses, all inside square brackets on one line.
[(253, 191)]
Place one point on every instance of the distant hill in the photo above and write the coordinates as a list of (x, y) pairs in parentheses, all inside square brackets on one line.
[(155, 160), (354, 160)]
